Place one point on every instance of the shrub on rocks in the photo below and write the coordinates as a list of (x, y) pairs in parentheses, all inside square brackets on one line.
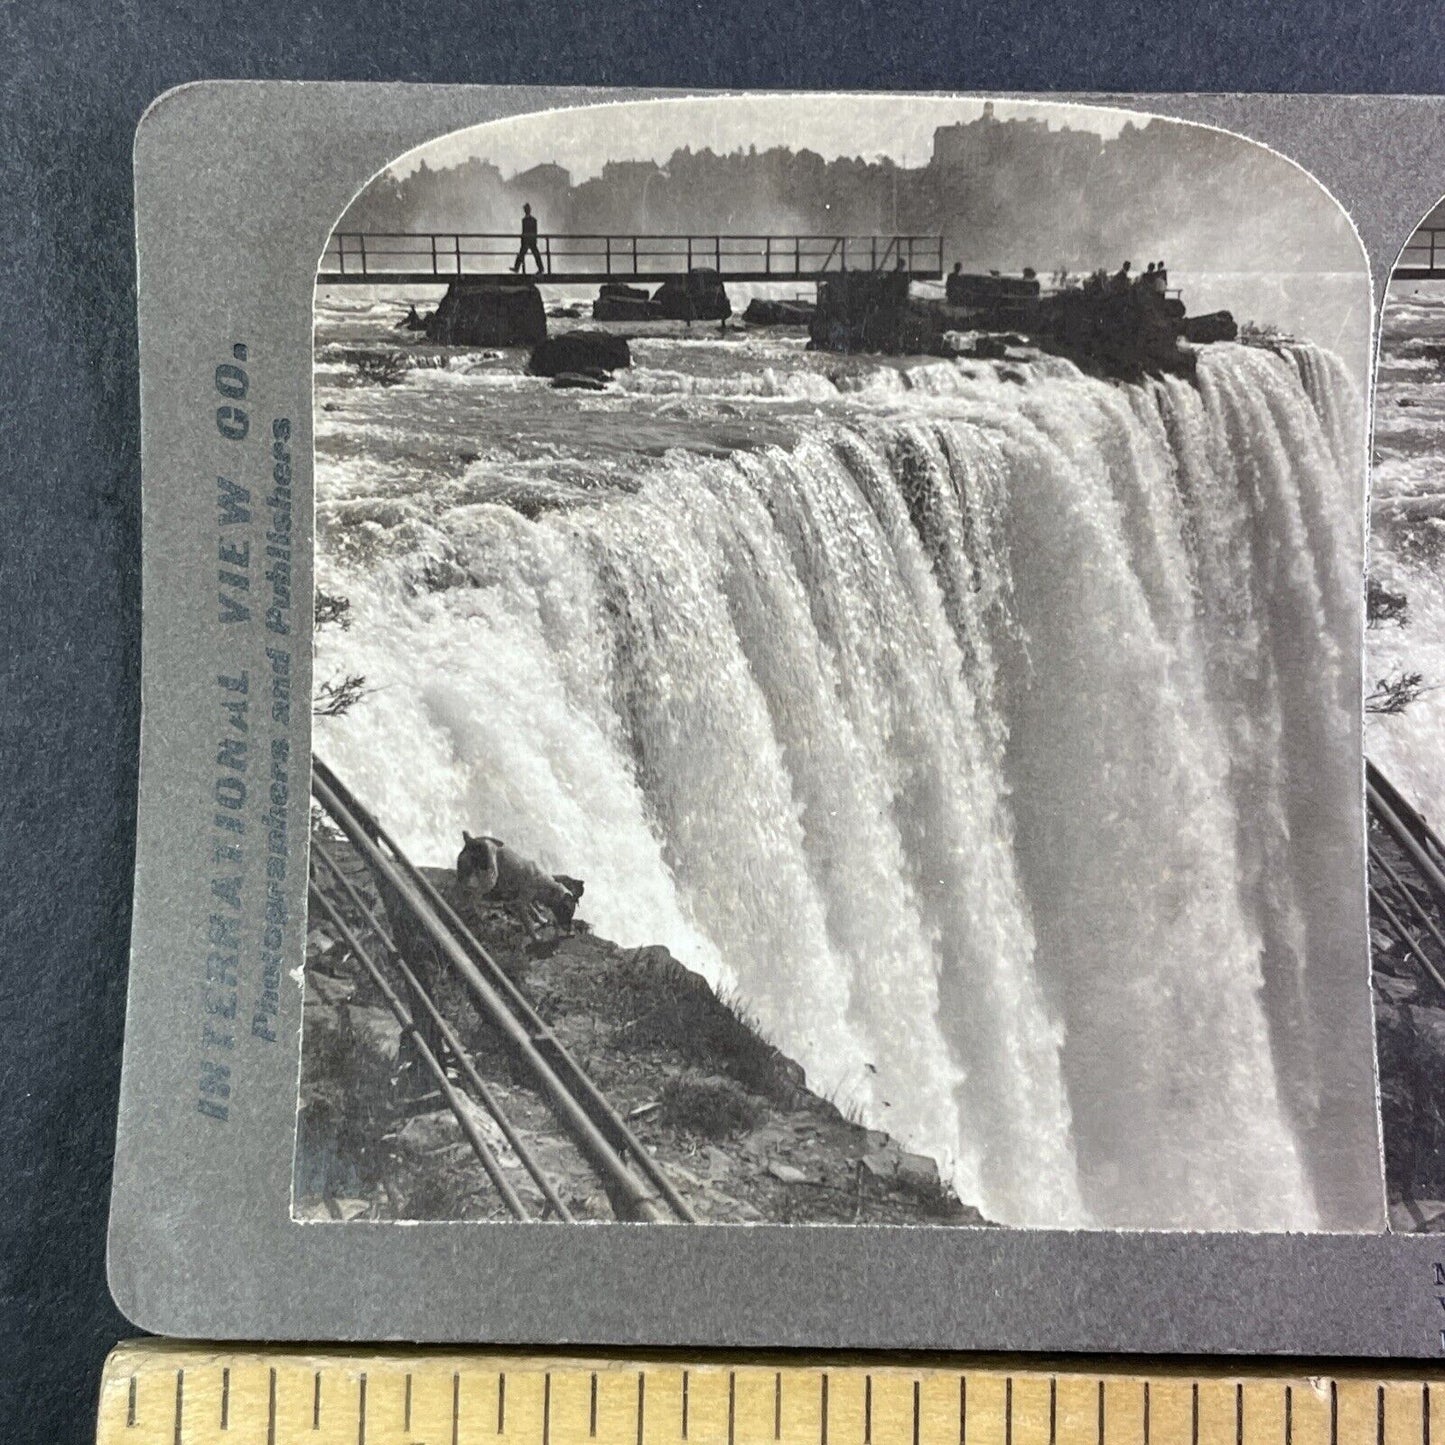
[(383, 368)]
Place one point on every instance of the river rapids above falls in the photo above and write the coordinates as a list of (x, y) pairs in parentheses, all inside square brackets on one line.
[(991, 731)]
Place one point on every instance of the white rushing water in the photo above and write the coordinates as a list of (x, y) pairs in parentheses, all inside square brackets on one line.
[(994, 739), (1407, 544)]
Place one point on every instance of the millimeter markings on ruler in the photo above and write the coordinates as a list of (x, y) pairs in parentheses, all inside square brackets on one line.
[(159, 1393)]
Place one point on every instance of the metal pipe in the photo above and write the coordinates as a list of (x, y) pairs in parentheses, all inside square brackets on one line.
[(1429, 870), (601, 1111), (489, 1100), (1403, 934), (479, 1145), (1414, 821), (379, 834), (1383, 863), (630, 1200)]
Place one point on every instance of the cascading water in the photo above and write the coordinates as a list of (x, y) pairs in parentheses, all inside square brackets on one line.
[(995, 739)]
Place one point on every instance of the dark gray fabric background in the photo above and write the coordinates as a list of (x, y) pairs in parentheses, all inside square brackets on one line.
[(75, 79)]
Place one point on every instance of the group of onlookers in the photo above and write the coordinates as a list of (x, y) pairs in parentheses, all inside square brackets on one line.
[(1125, 280), (1155, 279)]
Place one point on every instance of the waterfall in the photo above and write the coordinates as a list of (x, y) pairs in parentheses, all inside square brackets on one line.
[(994, 742)]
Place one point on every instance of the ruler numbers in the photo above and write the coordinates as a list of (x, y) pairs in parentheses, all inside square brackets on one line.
[(166, 1395)]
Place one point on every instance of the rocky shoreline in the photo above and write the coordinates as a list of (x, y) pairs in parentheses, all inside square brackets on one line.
[(730, 1118)]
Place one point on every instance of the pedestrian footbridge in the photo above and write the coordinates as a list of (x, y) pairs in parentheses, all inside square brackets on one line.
[(431, 258)]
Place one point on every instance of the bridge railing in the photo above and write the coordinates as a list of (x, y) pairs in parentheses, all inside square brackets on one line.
[(445, 255), (1425, 251)]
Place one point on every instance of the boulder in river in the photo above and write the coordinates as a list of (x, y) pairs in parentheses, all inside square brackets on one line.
[(1213, 326), (617, 301), (991, 348), (623, 308), (489, 312), (621, 291), (698, 296), (778, 313), (871, 311), (1003, 297), (580, 352)]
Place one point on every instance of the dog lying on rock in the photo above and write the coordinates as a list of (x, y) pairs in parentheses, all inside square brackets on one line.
[(487, 870)]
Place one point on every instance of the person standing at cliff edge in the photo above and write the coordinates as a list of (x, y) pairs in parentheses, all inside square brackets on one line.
[(529, 242)]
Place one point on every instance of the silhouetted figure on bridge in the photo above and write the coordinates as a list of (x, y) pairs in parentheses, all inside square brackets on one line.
[(1120, 281), (529, 242)]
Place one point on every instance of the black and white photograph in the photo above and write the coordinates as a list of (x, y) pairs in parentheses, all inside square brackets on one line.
[(840, 676), (1404, 715)]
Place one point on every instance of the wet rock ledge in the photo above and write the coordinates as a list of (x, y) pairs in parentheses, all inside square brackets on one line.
[(732, 1119)]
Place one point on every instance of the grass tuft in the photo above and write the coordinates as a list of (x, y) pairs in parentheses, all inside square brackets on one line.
[(710, 1105), (668, 1005)]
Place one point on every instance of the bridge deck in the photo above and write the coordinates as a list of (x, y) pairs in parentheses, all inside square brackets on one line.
[(435, 258), (578, 278), (1423, 258)]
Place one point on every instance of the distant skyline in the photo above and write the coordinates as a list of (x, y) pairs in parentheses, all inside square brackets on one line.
[(875, 127)]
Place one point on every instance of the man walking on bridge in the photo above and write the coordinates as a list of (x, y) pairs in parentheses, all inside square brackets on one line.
[(529, 242)]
